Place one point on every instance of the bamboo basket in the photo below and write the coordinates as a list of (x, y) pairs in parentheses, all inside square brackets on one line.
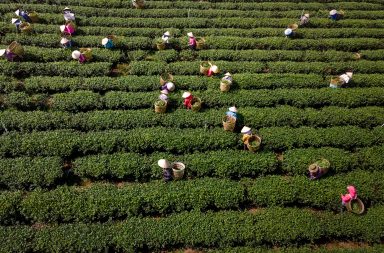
[(87, 52), (160, 46), (139, 4), (26, 27), (168, 79), (360, 206), (293, 26), (178, 169), (196, 104), (337, 81), (229, 123), (356, 56), (225, 85), (200, 43), (160, 108), (16, 48), (204, 69), (33, 16), (254, 138)]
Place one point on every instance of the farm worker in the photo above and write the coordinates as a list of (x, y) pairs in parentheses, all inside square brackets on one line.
[(163, 96), (228, 77), (289, 33), (169, 86), (68, 28), (335, 15), (107, 43), (138, 3), (68, 14), (76, 55), (344, 78), (167, 170), (66, 43), (247, 133), (7, 54), (166, 36), (17, 23), (192, 41), (232, 112), (304, 19), (213, 70), (24, 15), (315, 171), (187, 99), (352, 194)]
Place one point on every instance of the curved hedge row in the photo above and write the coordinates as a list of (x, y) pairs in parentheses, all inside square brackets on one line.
[(232, 164), (364, 117), (288, 226), (43, 84), (67, 142)]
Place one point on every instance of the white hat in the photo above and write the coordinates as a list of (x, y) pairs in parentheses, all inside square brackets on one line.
[(227, 74), (104, 41), (306, 15), (69, 16), (170, 86), (232, 109), (167, 34), (165, 91), (62, 28), (64, 40), (190, 34), (66, 9), (17, 12), (288, 31), (333, 12), (14, 20), (245, 130), (163, 97), (164, 164), (214, 69), (186, 94), (76, 54), (349, 74), (2, 52)]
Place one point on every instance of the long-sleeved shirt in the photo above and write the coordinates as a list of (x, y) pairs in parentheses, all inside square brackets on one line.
[(231, 114), (82, 58), (192, 41), (188, 102)]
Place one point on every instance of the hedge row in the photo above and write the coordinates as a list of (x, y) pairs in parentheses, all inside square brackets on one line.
[(272, 6), (365, 117), (67, 69), (234, 164), (178, 141), (275, 226), (175, 13), (101, 202), (307, 33), (192, 68), (42, 84), (77, 101)]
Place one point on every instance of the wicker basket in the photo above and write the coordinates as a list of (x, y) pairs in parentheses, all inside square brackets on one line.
[(160, 46), (196, 104), (200, 43), (16, 48), (252, 139), (341, 13), (169, 78), (87, 52), (33, 16), (26, 27), (160, 107), (138, 4), (204, 67), (178, 169), (293, 26), (229, 123), (337, 81), (355, 206), (225, 85), (356, 56)]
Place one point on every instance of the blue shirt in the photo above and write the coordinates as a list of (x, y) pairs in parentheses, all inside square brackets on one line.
[(232, 114)]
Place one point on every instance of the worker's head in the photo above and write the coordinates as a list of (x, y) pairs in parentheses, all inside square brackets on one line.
[(15, 20), (232, 109), (167, 33), (190, 34), (17, 12), (64, 41), (2, 52), (215, 69), (104, 41), (349, 74), (288, 31), (164, 164), (333, 12), (186, 94), (76, 54), (170, 86), (246, 130)]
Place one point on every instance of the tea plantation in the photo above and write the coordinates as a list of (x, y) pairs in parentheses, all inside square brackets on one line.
[(79, 143)]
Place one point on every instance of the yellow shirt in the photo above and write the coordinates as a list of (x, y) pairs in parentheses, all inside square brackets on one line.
[(245, 138)]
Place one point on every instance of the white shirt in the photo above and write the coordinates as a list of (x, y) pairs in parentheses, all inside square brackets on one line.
[(345, 78)]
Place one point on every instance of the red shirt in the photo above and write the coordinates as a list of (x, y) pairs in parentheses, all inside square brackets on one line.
[(188, 102)]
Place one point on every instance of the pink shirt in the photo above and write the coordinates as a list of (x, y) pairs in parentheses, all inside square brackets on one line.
[(69, 29), (82, 58), (192, 41), (345, 198), (352, 191)]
